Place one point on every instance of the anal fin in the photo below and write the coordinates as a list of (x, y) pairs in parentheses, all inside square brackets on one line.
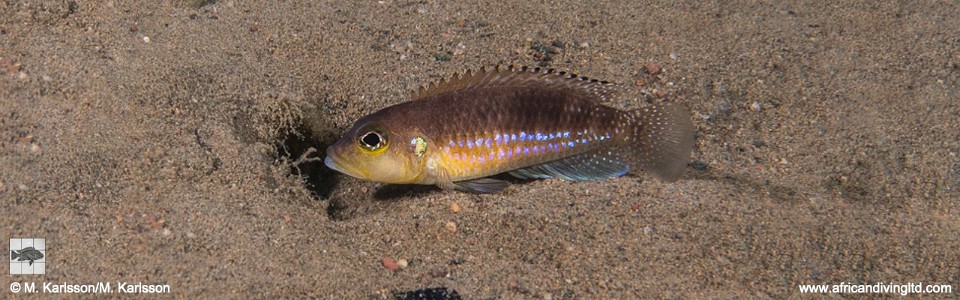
[(588, 166)]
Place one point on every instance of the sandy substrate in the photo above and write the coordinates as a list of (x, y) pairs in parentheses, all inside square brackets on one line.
[(158, 142)]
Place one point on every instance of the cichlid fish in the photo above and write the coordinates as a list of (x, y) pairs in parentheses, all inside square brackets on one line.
[(530, 123), (29, 253)]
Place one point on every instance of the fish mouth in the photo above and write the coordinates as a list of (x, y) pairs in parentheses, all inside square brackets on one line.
[(331, 163)]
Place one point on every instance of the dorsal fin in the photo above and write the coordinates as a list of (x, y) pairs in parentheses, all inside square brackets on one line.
[(517, 77)]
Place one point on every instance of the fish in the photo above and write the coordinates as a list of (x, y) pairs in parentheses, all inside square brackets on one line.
[(531, 123), (29, 253)]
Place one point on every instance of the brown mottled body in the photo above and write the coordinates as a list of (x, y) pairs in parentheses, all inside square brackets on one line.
[(534, 124)]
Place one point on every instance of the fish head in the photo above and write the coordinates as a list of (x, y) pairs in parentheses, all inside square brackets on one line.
[(376, 149)]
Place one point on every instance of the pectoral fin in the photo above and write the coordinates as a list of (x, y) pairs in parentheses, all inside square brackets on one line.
[(480, 185)]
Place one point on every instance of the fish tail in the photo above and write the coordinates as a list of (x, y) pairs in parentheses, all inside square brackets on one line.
[(14, 255), (660, 140)]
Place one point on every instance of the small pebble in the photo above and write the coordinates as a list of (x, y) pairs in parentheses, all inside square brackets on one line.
[(647, 230), (699, 165), (23, 187), (34, 147), (7, 65), (755, 106), (26, 139), (146, 39), (402, 263), (390, 264), (451, 226), (167, 232), (454, 207), (653, 69)]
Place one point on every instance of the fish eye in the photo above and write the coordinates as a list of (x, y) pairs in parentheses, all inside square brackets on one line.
[(372, 141)]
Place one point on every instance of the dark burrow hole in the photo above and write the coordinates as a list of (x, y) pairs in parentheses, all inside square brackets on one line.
[(318, 179)]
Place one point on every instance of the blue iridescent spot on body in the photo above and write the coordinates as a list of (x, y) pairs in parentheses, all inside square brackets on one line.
[(566, 134), (570, 144), (523, 136)]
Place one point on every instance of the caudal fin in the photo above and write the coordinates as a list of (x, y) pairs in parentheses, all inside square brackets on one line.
[(14, 255), (663, 137)]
